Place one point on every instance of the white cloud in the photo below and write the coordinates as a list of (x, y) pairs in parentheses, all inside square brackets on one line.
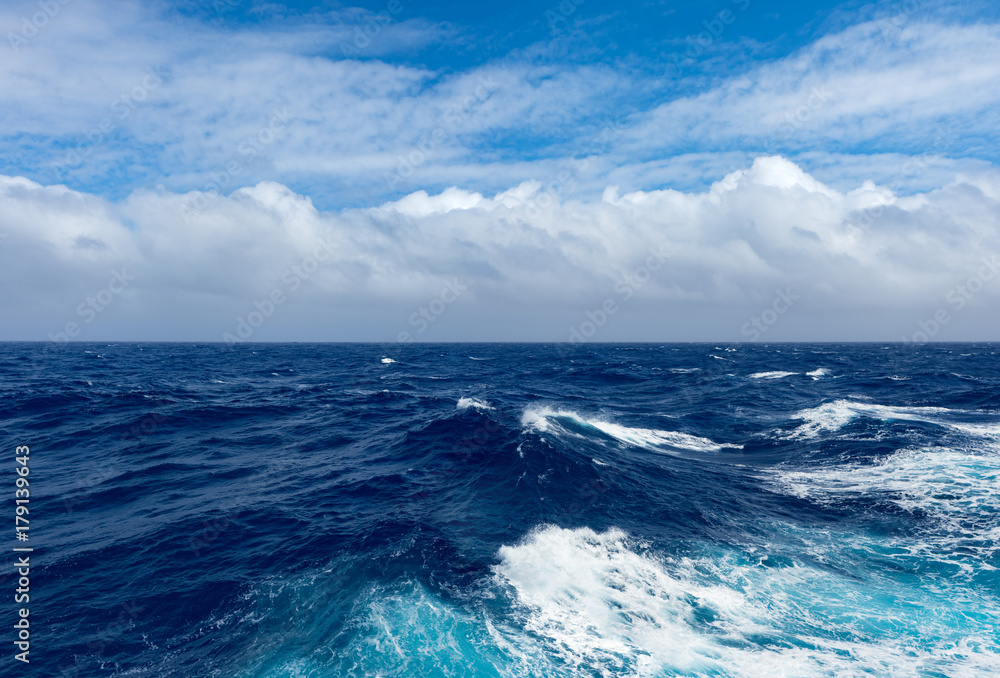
[(855, 86), (891, 200), (924, 88), (755, 230)]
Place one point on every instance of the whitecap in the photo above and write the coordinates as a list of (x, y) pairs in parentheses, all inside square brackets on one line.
[(771, 375), (603, 604), (835, 415), (563, 603), (954, 491), (465, 403), (545, 419), (386, 361), (935, 480)]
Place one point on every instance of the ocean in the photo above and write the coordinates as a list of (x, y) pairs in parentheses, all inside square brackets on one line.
[(425, 510)]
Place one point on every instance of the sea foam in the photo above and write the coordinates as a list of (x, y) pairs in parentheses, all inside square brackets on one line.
[(566, 421), (771, 375), (465, 403), (835, 415)]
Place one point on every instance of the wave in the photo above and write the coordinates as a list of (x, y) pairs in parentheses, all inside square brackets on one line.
[(545, 419), (818, 373), (835, 415), (940, 481), (604, 605), (601, 607), (771, 375), (951, 492), (387, 361), (465, 403), (564, 603)]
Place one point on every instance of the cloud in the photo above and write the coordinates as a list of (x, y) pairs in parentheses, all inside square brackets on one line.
[(888, 91), (201, 261), (359, 115), (221, 162)]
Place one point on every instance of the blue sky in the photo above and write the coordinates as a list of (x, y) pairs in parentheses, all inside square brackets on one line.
[(573, 136)]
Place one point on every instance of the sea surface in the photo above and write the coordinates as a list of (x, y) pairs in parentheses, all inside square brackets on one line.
[(595, 510)]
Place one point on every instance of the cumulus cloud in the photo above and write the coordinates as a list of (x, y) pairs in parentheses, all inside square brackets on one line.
[(199, 262)]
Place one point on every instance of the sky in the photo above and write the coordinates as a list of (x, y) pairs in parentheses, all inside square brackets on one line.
[(401, 171)]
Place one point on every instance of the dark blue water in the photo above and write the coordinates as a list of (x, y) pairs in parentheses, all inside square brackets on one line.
[(508, 510)]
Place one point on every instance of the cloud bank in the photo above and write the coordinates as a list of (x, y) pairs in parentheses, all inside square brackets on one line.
[(528, 263)]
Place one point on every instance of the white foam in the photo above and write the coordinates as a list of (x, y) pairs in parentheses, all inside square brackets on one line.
[(955, 489), (567, 603), (826, 417), (771, 375), (835, 415), (536, 419), (935, 479), (466, 403), (818, 373), (386, 361), (605, 606), (602, 606), (545, 419), (982, 430)]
